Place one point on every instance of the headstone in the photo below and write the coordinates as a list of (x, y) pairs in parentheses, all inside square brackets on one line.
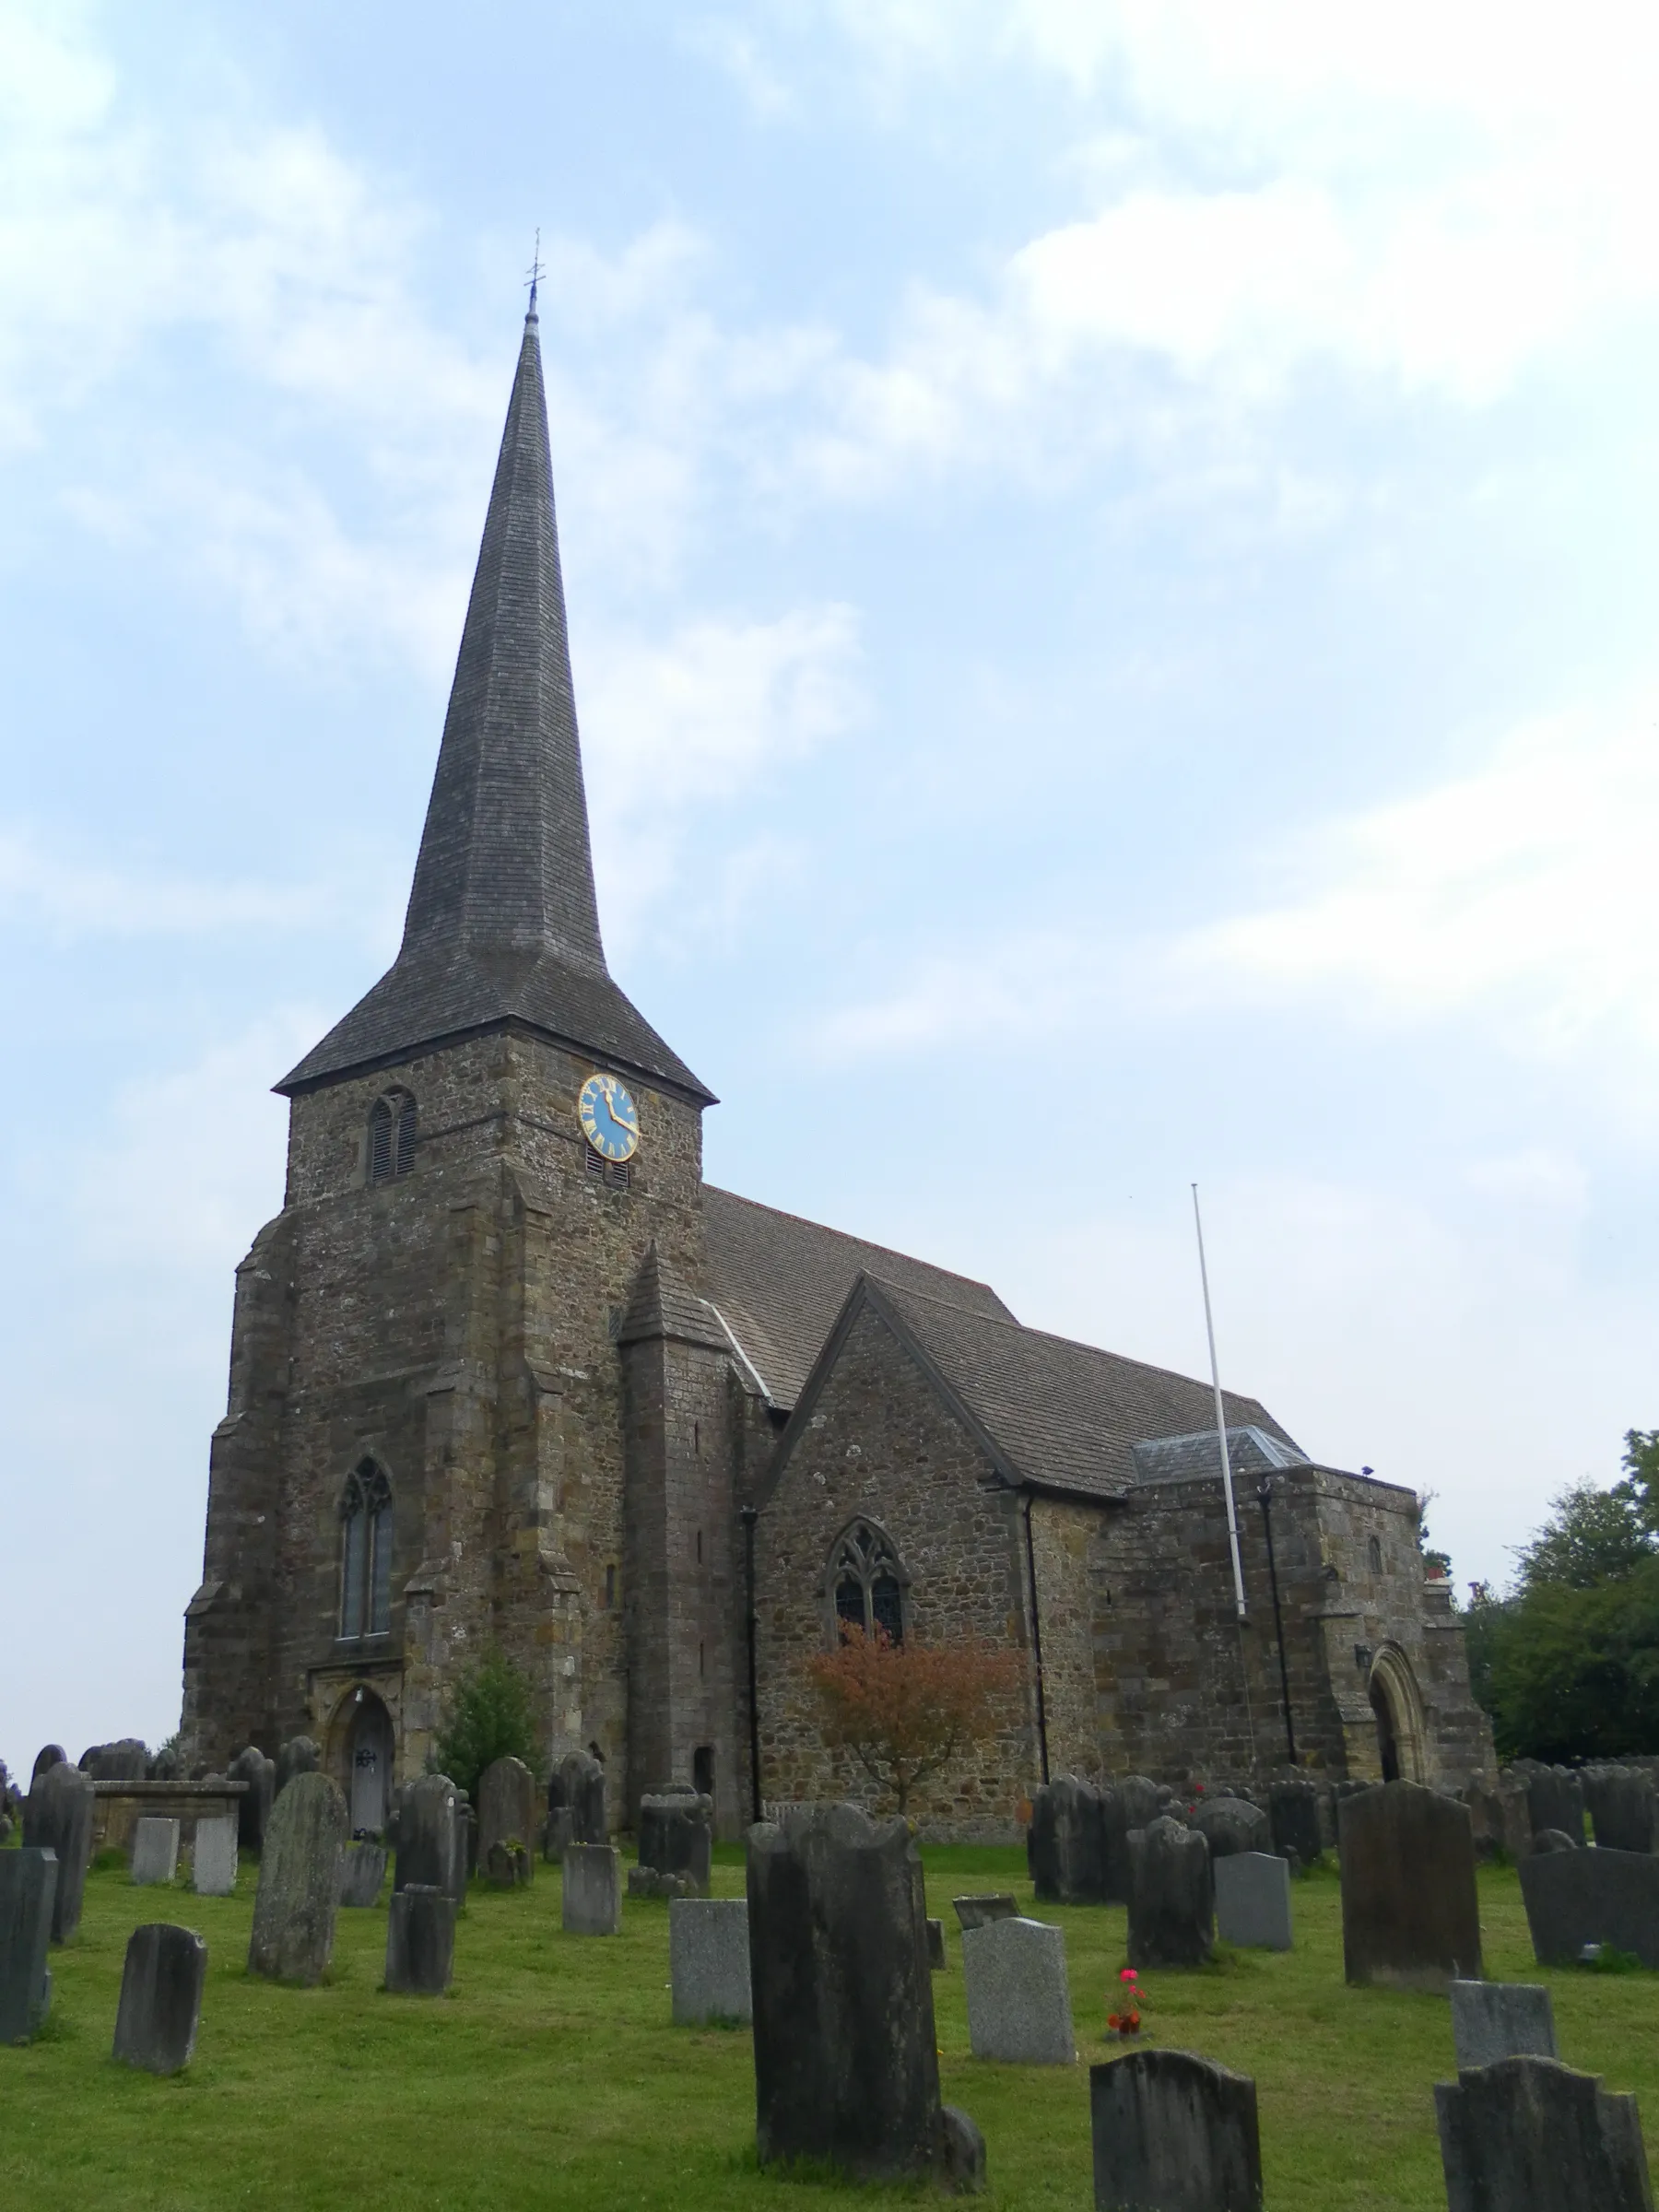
[(1066, 1844), (1142, 1800), (299, 1882), (363, 1870), (989, 1905), (1019, 2000), (593, 1890), (1555, 1799), (1530, 2134), (1171, 1896), (467, 1847), (649, 1881), (1252, 1900), (430, 1843), (961, 2153), (1115, 1824), (155, 1849), (1230, 1825), (127, 1760), (46, 1758), (507, 1812), (676, 1835), (1173, 2132), (297, 1756), (509, 1866), (577, 1790), (254, 1808), (57, 1817), (1501, 2019), (1622, 1805), (846, 2058), (160, 2004), (1411, 1915), (1293, 1816), (27, 1881), (1574, 1898), (1553, 1839), (709, 1960), (213, 1858), (420, 1942), (935, 1946)]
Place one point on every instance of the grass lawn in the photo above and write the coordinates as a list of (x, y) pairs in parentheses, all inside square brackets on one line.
[(551, 2075)]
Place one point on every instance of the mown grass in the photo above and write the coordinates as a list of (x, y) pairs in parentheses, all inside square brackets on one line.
[(552, 2076)]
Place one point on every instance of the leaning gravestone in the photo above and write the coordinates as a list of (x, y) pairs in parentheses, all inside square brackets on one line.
[(299, 1882), (213, 1857), (1622, 1807), (1501, 2019), (57, 1817), (677, 1838), (1066, 1844), (507, 1814), (1410, 1914), (1252, 1900), (1171, 1896), (592, 1903), (430, 1843), (420, 1942), (254, 1808), (709, 1960), (1230, 1825), (1555, 1799), (297, 1756), (1574, 1898), (1293, 1816), (160, 2006), (846, 2058), (155, 1849), (27, 1880), (1019, 1999), (1173, 2132), (1530, 2134), (989, 1905), (363, 1870)]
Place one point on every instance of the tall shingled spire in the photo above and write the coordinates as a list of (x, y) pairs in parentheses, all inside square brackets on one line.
[(502, 927)]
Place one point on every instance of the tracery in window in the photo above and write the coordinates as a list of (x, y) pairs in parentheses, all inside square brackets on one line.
[(866, 1582), (391, 1136), (366, 1552)]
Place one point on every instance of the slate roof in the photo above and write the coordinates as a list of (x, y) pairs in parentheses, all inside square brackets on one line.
[(1250, 1450), (502, 928), (779, 1283), (663, 1304)]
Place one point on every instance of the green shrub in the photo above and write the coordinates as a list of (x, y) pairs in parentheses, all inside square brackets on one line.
[(487, 1716)]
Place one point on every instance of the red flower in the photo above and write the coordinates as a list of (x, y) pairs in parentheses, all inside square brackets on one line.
[(1127, 1973)]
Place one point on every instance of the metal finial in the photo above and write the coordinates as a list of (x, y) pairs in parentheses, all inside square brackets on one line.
[(536, 271)]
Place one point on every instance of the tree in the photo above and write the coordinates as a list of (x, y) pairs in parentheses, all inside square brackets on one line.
[(1592, 1536), (905, 1709), (487, 1716)]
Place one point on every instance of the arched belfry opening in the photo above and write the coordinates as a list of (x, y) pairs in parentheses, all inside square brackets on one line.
[(1397, 1708)]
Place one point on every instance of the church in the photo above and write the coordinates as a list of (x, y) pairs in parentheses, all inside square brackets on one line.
[(506, 1374)]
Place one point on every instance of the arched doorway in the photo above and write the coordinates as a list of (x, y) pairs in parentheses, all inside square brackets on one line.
[(1398, 1711), (369, 1750)]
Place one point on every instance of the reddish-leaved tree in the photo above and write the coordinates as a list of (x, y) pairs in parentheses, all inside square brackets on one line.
[(905, 1709)]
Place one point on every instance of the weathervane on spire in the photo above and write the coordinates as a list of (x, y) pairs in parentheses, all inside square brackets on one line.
[(536, 271)]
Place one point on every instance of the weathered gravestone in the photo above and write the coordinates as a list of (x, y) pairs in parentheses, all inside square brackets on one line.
[(160, 2004), (1232, 1824), (1499, 1820), (213, 1857), (1252, 1900), (592, 1903), (1501, 2019), (1574, 1898), (430, 1846), (155, 1849), (1553, 1839), (1293, 1816), (709, 1960), (1622, 1805), (27, 1880), (1173, 2132), (127, 1760), (509, 1866), (297, 1756), (299, 1882), (1171, 1896), (576, 1791), (676, 1836), (1142, 1800), (507, 1813), (420, 1942), (989, 1905), (57, 1817), (363, 1870), (1555, 1799), (1411, 1915), (1066, 1844), (935, 1946), (46, 1758), (1019, 1999), (1530, 2134), (846, 2058), (254, 1808)]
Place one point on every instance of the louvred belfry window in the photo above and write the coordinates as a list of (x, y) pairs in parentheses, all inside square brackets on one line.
[(366, 1552), (867, 1582), (391, 1136)]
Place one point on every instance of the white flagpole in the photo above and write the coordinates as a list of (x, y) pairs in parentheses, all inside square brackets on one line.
[(1226, 1481)]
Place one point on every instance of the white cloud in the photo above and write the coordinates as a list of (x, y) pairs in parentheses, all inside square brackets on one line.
[(78, 899), (1029, 986)]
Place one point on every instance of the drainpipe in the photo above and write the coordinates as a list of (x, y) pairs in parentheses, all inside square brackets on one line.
[(1036, 1642), (754, 1706), (1265, 1499)]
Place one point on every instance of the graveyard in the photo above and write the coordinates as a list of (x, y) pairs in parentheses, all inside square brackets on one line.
[(552, 2071)]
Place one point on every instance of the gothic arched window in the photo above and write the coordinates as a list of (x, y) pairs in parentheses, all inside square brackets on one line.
[(366, 1551), (391, 1136), (866, 1584), (1373, 1552)]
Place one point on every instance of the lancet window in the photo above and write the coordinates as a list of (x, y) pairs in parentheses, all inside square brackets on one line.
[(366, 1552), (391, 1136), (866, 1582)]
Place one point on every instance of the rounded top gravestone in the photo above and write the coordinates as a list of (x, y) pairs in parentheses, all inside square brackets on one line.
[(299, 1882)]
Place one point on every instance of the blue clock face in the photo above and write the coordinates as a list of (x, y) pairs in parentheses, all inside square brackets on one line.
[(610, 1118)]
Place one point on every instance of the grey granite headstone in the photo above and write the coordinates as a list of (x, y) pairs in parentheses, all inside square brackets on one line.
[(213, 1857), (57, 1817), (1173, 2132), (1229, 1824), (254, 1808), (989, 1905), (155, 1849), (297, 1756), (1252, 1900), (1293, 1816), (1573, 1897), (1066, 1844), (507, 1815), (1501, 2019), (676, 1835), (1171, 1896), (577, 1790), (27, 1880), (299, 1882), (420, 1942), (592, 1904), (846, 2058), (709, 1960), (1019, 1999), (1622, 1804), (160, 2004), (363, 1870), (430, 1843), (1411, 1915), (1555, 1799), (935, 1946), (1530, 2134)]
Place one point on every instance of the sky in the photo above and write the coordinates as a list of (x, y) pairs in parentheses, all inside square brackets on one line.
[(1110, 561)]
